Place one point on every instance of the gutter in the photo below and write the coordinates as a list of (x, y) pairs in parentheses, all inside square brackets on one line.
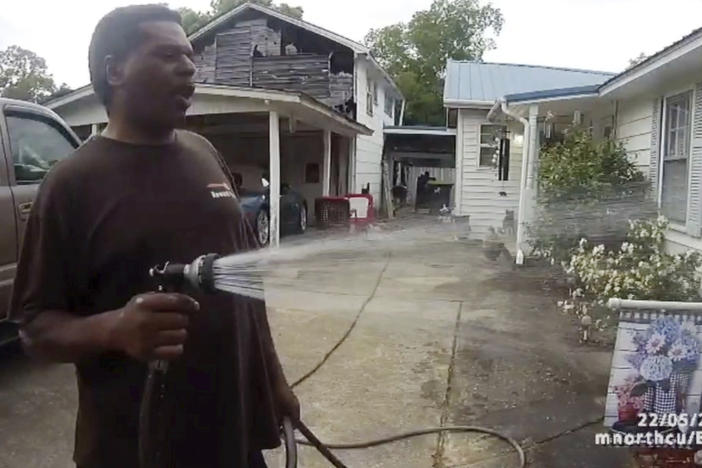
[(523, 182)]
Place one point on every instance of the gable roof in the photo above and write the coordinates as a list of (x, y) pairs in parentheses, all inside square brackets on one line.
[(356, 47), (226, 17), (482, 83)]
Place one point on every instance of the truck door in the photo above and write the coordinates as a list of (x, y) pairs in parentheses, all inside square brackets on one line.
[(33, 142), (8, 234)]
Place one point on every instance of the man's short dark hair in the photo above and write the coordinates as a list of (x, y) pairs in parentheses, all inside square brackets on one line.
[(116, 34)]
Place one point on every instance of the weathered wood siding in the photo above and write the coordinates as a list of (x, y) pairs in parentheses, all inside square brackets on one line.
[(308, 73), (206, 62), (341, 89), (233, 63), (230, 60), (480, 196)]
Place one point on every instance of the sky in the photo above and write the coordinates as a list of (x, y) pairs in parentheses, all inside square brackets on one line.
[(590, 34)]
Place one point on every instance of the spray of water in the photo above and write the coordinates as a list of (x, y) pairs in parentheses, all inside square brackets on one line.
[(244, 273)]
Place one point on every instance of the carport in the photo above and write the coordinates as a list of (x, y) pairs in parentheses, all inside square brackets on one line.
[(298, 139)]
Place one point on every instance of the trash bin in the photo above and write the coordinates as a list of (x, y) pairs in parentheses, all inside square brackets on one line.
[(439, 195)]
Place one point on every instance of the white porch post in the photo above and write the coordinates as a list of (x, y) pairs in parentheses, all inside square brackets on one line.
[(351, 188), (525, 190), (326, 165), (274, 170), (533, 143), (94, 129)]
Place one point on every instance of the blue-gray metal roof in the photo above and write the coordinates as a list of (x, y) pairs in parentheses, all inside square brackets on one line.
[(488, 82)]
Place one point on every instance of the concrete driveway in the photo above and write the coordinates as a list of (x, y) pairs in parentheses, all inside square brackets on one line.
[(442, 337)]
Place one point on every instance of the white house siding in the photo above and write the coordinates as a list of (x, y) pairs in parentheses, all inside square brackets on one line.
[(479, 188), (633, 129), (369, 149)]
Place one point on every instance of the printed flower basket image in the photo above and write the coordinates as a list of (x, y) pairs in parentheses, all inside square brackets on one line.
[(667, 353)]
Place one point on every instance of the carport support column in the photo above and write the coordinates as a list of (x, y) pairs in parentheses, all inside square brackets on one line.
[(326, 165), (274, 170)]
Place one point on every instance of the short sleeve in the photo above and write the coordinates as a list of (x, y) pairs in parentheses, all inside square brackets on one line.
[(42, 278)]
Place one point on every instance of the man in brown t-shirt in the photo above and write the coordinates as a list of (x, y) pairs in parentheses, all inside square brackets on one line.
[(136, 196)]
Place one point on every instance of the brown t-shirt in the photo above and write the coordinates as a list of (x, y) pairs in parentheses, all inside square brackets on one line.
[(102, 218)]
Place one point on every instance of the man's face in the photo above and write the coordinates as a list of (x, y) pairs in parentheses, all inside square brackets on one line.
[(157, 84)]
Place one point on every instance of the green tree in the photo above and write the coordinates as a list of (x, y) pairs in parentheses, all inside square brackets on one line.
[(24, 75), (194, 20), (635, 61), (415, 53)]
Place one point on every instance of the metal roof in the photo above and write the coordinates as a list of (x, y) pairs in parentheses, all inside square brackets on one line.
[(480, 82)]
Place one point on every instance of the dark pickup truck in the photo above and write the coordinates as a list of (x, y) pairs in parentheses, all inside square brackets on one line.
[(32, 139)]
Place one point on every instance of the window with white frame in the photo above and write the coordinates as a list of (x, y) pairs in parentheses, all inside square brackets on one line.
[(490, 136), (677, 126), (369, 96)]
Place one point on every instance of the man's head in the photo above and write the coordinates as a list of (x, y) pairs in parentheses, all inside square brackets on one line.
[(141, 66)]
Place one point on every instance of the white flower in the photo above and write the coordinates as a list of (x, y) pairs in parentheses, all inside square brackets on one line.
[(655, 343), (678, 351)]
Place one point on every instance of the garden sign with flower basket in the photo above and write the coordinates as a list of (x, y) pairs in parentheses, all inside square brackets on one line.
[(656, 370)]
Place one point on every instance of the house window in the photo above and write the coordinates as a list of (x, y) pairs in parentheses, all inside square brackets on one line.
[(389, 105), (375, 93), (676, 156), (490, 136), (369, 97)]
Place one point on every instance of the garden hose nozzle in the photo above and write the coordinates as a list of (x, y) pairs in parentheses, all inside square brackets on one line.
[(197, 274)]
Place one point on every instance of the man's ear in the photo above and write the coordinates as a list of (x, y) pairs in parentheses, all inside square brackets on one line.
[(114, 71)]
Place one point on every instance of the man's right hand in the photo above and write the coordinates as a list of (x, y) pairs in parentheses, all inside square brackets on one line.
[(153, 326)]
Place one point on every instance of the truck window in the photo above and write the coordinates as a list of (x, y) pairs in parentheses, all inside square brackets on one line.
[(36, 145)]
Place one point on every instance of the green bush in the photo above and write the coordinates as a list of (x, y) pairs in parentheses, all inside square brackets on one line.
[(586, 189)]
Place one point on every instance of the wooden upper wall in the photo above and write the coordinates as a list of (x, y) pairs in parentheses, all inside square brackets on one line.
[(251, 53)]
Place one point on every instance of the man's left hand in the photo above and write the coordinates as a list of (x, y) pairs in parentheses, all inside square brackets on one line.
[(286, 401)]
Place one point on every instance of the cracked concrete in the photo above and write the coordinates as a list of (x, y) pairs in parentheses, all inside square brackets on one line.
[(446, 337)]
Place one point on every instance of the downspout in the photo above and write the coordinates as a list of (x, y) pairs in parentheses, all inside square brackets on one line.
[(402, 113), (523, 182)]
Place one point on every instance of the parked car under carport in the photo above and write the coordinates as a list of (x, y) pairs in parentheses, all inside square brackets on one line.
[(256, 205)]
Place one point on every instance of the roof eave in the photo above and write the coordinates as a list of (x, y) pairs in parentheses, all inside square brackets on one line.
[(468, 104), (75, 95), (685, 45)]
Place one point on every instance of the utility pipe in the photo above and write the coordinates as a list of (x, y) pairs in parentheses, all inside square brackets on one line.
[(523, 181)]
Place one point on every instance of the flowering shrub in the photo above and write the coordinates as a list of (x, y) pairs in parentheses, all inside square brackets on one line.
[(640, 269), (585, 189)]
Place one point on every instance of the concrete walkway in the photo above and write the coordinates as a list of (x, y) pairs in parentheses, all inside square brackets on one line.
[(443, 337)]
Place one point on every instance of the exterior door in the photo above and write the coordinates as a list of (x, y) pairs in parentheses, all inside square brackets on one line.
[(34, 142)]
